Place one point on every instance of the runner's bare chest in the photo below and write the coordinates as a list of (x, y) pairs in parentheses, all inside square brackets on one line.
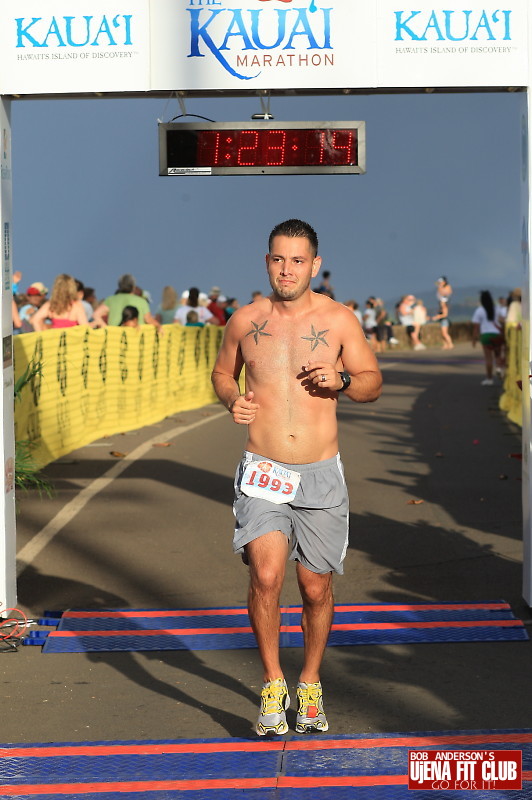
[(272, 344)]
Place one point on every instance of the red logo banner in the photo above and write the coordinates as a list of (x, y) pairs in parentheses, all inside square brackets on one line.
[(462, 770)]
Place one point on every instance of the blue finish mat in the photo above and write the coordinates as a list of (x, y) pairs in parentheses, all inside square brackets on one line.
[(229, 628), (349, 767)]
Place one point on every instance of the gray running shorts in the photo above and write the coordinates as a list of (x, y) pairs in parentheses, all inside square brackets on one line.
[(316, 522)]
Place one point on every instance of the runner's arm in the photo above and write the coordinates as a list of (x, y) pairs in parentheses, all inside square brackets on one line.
[(357, 359), (226, 373)]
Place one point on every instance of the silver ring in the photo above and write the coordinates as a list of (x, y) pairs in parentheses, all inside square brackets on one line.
[(323, 378)]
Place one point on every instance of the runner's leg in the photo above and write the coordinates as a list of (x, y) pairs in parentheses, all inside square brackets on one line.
[(267, 564), (318, 608)]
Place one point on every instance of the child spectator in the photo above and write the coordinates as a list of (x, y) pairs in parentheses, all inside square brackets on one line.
[(193, 320), (130, 317)]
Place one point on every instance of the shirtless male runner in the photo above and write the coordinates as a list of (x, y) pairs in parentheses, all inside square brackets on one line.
[(300, 350)]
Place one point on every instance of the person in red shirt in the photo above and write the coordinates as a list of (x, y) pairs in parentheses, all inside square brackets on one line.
[(214, 307)]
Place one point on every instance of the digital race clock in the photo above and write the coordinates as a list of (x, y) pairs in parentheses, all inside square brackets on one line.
[(261, 148)]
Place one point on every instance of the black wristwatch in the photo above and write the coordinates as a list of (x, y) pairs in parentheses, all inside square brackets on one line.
[(346, 380)]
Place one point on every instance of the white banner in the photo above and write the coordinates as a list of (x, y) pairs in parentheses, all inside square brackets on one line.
[(263, 44), (445, 45), (68, 46), (78, 46)]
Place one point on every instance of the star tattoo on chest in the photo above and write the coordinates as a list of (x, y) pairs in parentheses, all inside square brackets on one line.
[(316, 337), (257, 331)]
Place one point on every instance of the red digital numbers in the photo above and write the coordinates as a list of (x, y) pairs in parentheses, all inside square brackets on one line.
[(276, 484), (336, 147), (247, 152), (277, 148)]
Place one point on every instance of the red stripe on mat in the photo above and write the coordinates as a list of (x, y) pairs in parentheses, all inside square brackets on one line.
[(160, 632), (361, 626), (142, 749), (218, 612), (485, 623), (198, 785), (264, 746), (412, 741), (196, 612), (425, 607), (137, 786)]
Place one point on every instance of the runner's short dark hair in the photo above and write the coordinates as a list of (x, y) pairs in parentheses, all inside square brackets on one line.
[(293, 228)]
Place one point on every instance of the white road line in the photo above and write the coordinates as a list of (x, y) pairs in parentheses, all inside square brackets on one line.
[(32, 549)]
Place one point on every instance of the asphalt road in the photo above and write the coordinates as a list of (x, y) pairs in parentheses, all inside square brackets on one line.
[(158, 535)]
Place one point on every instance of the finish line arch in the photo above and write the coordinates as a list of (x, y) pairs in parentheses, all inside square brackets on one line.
[(152, 48)]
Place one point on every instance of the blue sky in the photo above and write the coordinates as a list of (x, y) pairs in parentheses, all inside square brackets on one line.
[(441, 195)]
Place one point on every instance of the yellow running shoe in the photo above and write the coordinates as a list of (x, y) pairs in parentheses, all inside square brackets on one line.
[(274, 702), (310, 714)]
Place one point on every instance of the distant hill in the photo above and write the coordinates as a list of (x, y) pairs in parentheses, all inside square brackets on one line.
[(464, 300)]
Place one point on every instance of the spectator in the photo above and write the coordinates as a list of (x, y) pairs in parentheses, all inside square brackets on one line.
[(167, 307), (89, 295), (193, 304), (214, 305), (491, 338), (231, 306), (17, 322), (445, 323), (444, 290), (369, 322), (89, 310), (384, 326), (355, 308), (130, 317), (405, 312), (109, 312), (15, 284), (419, 313), (501, 311), (15, 302), (325, 285), (64, 307), (142, 293), (515, 311), (193, 320), (256, 295), (30, 302)]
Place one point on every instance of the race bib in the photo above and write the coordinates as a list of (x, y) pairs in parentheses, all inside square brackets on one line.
[(270, 481)]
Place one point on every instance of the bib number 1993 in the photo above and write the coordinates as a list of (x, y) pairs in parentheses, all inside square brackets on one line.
[(270, 481)]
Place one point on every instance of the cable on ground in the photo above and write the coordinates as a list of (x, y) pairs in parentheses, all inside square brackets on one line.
[(12, 629)]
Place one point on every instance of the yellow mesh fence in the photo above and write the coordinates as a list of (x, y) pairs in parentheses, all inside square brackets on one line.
[(99, 382), (511, 400)]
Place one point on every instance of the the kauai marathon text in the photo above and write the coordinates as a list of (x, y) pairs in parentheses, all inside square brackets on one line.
[(244, 40)]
